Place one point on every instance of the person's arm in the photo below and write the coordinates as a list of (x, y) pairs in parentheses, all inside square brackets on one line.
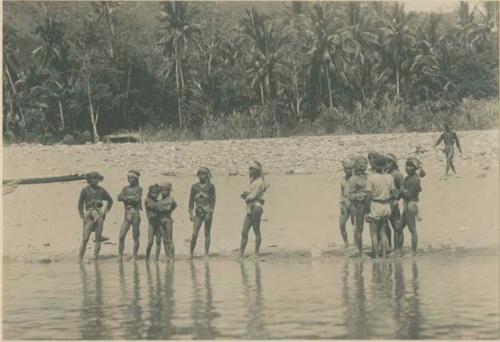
[(81, 202), (108, 199), (457, 141), (212, 197), (191, 203), (173, 205), (121, 195), (439, 140), (393, 190)]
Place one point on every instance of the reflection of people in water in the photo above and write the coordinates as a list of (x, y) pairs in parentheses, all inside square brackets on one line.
[(202, 310), (92, 318), (168, 296), (407, 314), (355, 313), (156, 309), (254, 303), (132, 306)]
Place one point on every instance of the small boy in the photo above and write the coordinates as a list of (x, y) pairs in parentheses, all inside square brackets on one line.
[(165, 206), (153, 220), (393, 170), (131, 196), (410, 193), (357, 193), (201, 207), (90, 210), (345, 203)]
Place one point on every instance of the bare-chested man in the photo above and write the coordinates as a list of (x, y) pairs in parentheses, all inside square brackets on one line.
[(449, 138)]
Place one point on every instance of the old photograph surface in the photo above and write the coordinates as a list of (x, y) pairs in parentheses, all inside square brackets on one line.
[(250, 170)]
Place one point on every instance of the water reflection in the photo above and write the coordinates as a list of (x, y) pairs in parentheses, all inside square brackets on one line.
[(254, 302), (92, 318), (202, 309), (355, 313), (131, 304)]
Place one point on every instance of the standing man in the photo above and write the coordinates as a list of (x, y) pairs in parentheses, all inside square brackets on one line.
[(201, 207), (131, 196), (450, 138), (345, 203), (254, 201), (393, 169), (91, 198), (381, 190), (357, 193)]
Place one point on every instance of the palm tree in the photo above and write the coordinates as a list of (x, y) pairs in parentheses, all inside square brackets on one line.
[(325, 35), (398, 40), (180, 33)]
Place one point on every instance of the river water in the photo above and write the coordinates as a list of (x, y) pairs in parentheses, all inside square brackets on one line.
[(429, 297)]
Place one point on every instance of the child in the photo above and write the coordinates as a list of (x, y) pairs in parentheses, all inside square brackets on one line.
[(154, 222), (254, 201), (201, 207), (357, 192), (381, 190), (131, 196), (393, 170), (165, 206), (91, 198), (345, 204), (410, 193), (450, 138)]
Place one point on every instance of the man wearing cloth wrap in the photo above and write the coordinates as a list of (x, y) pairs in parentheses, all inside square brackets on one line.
[(90, 210), (449, 138), (201, 207), (357, 193)]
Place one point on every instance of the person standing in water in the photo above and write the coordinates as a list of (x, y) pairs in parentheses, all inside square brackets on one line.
[(90, 210), (357, 193), (449, 138), (153, 220), (131, 196), (254, 201), (201, 207), (345, 203), (381, 190), (165, 206), (410, 193), (393, 170)]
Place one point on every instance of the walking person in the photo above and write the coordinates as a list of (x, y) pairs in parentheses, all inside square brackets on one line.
[(131, 196), (357, 194), (165, 206), (154, 231), (381, 191), (345, 203), (449, 138), (410, 193), (254, 200), (90, 209), (201, 207)]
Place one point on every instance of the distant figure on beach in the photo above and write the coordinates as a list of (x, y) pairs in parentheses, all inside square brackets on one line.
[(165, 206), (254, 201), (345, 203), (90, 209), (411, 213), (381, 191), (393, 170), (449, 138), (154, 231), (201, 207), (357, 193), (131, 196)]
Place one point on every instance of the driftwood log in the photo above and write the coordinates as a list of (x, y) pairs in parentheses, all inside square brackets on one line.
[(43, 180)]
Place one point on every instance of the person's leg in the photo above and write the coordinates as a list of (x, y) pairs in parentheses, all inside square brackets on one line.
[(395, 216), (170, 234), (384, 228), (208, 228), (151, 236), (99, 225), (136, 224), (197, 222), (399, 231), (374, 237), (158, 241), (165, 238), (87, 229), (359, 221), (247, 224), (343, 218), (412, 226), (256, 219), (123, 233)]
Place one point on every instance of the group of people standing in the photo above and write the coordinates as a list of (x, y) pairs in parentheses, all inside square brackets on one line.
[(159, 205)]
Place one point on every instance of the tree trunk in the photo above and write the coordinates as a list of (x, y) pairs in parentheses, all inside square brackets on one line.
[(61, 115), (10, 78), (261, 92), (10, 114), (127, 90), (91, 113), (328, 82), (111, 30), (299, 113), (397, 82), (177, 83)]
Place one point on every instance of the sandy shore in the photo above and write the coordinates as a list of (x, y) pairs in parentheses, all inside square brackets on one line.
[(301, 211)]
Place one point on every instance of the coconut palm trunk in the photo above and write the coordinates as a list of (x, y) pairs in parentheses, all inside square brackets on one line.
[(93, 119), (397, 81), (61, 115), (328, 82)]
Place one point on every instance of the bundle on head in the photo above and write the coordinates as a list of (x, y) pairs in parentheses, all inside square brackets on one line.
[(94, 174)]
